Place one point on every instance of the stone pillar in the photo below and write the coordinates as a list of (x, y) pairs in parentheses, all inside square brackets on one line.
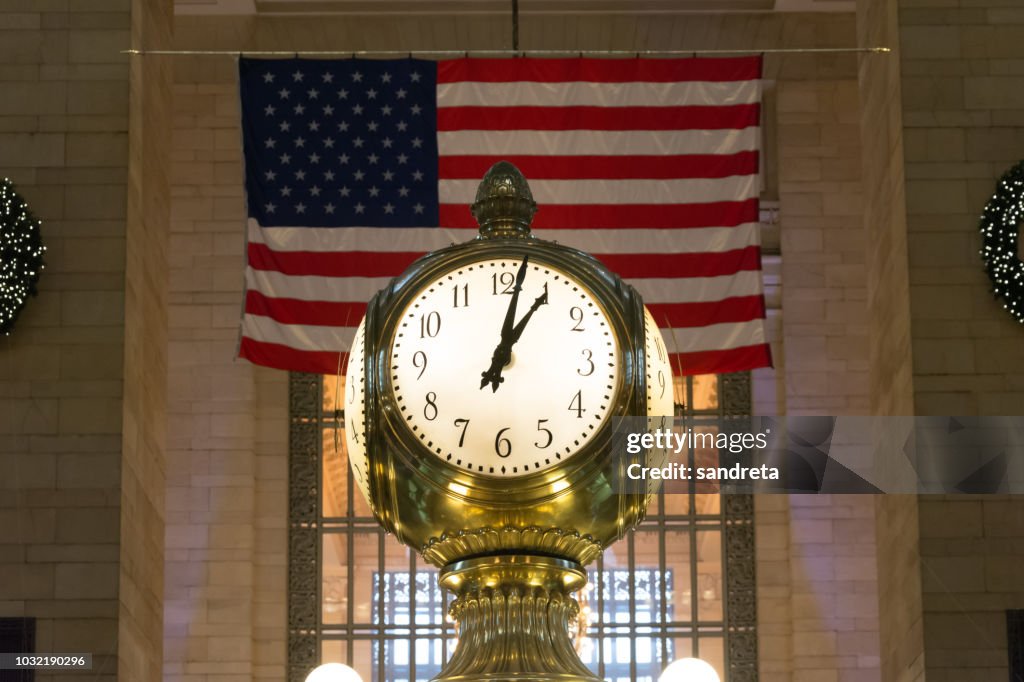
[(144, 436)]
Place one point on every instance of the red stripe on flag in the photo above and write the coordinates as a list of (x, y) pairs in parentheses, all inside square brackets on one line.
[(598, 118), (676, 265), (704, 313), (623, 216), (598, 70), (331, 263), (722, 361), (296, 311), (284, 357), (627, 265), (605, 167)]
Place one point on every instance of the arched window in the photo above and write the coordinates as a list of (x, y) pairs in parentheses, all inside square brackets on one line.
[(681, 584)]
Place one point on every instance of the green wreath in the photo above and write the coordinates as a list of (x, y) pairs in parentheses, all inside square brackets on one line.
[(1000, 227), (21, 255)]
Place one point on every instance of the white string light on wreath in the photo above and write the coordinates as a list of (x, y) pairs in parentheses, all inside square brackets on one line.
[(1000, 229), (21, 255)]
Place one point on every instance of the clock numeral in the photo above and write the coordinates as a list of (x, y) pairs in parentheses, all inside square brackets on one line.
[(419, 361), (502, 446), (660, 345), (576, 313), (540, 427), (351, 392), (430, 324), (506, 280), (576, 405), (661, 382), (464, 423), (430, 409), (588, 356), (464, 297)]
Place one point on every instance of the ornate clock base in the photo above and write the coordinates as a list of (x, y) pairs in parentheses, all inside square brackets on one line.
[(513, 614)]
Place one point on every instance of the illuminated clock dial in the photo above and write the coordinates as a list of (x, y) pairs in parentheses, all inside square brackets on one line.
[(355, 412), (504, 367), (660, 401)]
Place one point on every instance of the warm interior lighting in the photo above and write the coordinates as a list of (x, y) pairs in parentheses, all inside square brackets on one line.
[(689, 670), (333, 672)]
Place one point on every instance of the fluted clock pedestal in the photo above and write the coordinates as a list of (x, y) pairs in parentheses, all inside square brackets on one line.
[(513, 614)]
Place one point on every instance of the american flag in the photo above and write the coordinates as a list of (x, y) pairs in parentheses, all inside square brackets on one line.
[(354, 168)]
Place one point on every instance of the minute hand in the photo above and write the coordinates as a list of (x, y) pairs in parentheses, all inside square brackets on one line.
[(510, 314)]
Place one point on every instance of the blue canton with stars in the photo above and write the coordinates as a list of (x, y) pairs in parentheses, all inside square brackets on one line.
[(340, 143)]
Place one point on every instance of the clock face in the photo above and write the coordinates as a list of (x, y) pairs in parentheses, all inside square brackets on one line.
[(660, 401), (499, 384), (355, 426)]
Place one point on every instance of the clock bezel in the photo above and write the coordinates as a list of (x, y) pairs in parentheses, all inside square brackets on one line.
[(614, 298)]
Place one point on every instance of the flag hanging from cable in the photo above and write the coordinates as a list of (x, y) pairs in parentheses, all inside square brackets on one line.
[(355, 168)]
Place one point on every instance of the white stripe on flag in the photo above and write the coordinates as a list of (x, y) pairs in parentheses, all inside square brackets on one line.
[(343, 239), (636, 94), (301, 337), (714, 337), (597, 142), (698, 289), (688, 191), (313, 287), (421, 239)]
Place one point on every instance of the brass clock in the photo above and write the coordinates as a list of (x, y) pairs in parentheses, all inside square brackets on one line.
[(481, 393)]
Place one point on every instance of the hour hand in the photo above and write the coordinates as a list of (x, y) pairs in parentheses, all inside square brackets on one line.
[(517, 331)]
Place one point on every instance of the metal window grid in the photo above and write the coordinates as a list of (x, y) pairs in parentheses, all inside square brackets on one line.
[(625, 596)]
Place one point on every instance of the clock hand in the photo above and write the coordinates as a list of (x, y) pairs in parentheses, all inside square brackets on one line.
[(510, 314), (517, 331), (503, 351)]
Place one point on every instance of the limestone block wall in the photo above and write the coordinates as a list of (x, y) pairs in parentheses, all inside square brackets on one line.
[(817, 580), (963, 126), (226, 540), (64, 142)]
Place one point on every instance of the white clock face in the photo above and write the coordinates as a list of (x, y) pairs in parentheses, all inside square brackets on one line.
[(660, 401), (471, 409), (355, 427), (660, 398)]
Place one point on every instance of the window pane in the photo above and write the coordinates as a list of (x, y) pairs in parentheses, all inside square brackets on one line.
[(677, 558), (334, 495), (709, 575), (713, 651), (335, 578), (364, 569), (705, 392), (333, 388)]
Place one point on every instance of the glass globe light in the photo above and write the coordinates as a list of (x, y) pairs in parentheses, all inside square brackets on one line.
[(689, 670), (333, 672)]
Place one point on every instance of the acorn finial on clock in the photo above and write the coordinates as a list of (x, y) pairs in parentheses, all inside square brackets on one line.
[(504, 205)]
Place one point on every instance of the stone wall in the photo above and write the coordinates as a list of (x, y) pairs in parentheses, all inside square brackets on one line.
[(64, 142), (963, 117), (228, 434)]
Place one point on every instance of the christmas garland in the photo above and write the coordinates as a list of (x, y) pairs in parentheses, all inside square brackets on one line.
[(21, 255), (1000, 227)]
